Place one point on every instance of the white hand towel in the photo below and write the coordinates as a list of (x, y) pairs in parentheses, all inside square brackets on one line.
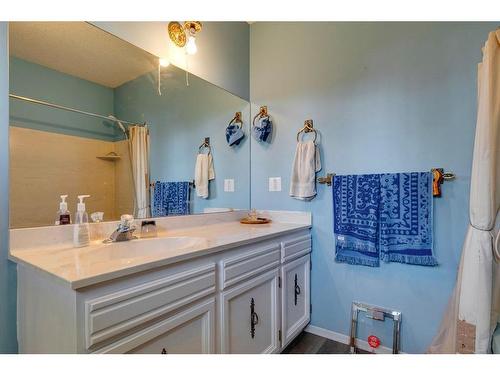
[(203, 172), (305, 165)]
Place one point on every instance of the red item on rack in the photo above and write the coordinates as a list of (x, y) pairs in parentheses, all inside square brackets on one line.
[(373, 341)]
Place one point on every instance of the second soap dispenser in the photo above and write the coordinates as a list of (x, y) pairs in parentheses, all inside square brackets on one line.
[(63, 216), (81, 229)]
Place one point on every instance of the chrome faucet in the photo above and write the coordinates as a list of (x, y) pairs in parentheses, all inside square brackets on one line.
[(125, 230)]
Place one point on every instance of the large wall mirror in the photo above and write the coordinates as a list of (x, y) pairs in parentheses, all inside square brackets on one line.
[(145, 153)]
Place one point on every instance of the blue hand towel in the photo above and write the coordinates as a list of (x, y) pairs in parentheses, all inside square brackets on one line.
[(171, 198), (234, 134), (262, 129), (406, 220), (356, 207)]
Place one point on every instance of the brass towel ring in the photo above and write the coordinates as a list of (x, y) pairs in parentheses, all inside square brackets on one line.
[(236, 120), (308, 128), (205, 144), (262, 113)]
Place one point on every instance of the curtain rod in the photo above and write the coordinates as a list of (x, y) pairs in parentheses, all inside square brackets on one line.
[(36, 101)]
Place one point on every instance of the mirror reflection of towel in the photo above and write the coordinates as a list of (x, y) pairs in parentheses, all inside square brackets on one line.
[(305, 165), (234, 135), (170, 198), (203, 173), (262, 130)]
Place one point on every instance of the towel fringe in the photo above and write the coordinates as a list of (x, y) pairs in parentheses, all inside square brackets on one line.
[(427, 260), (356, 261), (357, 246)]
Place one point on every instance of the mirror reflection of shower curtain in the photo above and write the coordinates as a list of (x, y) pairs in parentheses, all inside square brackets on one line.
[(472, 312), (139, 160)]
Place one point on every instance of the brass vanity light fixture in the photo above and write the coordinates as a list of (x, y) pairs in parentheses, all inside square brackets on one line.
[(163, 62), (184, 36), (177, 34)]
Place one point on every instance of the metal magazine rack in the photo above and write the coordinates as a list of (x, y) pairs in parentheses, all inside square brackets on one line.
[(376, 313)]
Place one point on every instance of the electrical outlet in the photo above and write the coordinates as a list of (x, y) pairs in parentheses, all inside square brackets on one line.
[(274, 183), (229, 185)]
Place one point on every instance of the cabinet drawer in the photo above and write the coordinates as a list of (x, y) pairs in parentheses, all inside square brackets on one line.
[(114, 313), (295, 248), (190, 331), (245, 266)]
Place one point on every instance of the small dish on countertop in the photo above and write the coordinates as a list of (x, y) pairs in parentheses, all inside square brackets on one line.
[(257, 220), (252, 218)]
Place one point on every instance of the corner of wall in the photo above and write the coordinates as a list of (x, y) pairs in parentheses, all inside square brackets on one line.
[(8, 338)]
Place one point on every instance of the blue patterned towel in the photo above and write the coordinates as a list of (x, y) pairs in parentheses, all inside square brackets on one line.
[(356, 202), (406, 220), (171, 198)]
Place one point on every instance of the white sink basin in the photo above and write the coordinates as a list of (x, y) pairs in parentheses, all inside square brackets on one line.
[(151, 247)]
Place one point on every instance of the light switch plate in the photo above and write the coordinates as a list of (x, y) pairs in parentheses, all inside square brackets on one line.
[(274, 183), (229, 185)]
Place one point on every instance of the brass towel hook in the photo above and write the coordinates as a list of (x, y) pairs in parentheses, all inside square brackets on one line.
[(237, 117), (328, 179), (439, 176), (206, 143)]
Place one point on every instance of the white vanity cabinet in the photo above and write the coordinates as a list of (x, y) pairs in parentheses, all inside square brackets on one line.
[(252, 298), (295, 297), (260, 315), (295, 293), (190, 331), (250, 316)]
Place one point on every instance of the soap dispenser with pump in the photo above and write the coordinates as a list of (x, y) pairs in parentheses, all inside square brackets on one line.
[(63, 216), (81, 235)]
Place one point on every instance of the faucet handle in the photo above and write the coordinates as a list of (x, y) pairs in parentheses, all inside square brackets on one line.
[(127, 221), (148, 229)]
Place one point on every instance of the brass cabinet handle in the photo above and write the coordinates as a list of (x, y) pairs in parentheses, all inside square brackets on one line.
[(297, 290)]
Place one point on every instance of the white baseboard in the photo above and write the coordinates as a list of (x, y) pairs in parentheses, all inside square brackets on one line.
[(344, 339)]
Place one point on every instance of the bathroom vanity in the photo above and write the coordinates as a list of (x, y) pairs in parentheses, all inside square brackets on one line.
[(206, 284)]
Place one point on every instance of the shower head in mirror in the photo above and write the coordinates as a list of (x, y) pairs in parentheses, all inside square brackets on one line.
[(119, 123)]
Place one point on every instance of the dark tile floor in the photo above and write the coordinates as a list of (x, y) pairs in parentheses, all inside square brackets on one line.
[(307, 343)]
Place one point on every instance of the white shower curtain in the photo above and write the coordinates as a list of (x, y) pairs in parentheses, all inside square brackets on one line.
[(139, 159), (472, 315)]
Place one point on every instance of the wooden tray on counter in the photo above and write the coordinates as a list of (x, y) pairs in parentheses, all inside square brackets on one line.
[(259, 220)]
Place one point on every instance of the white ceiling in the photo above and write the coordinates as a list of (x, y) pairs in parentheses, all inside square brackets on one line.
[(81, 50)]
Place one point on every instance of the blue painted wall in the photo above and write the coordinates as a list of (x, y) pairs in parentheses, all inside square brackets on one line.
[(386, 97), (38, 82), (8, 283), (223, 50), (179, 120)]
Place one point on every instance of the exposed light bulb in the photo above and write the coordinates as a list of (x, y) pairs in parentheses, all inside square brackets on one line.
[(164, 62), (191, 45)]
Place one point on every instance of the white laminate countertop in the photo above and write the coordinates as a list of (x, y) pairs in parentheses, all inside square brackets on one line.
[(85, 266)]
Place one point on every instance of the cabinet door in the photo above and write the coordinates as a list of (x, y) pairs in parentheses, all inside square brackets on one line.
[(190, 331), (249, 316), (295, 312)]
